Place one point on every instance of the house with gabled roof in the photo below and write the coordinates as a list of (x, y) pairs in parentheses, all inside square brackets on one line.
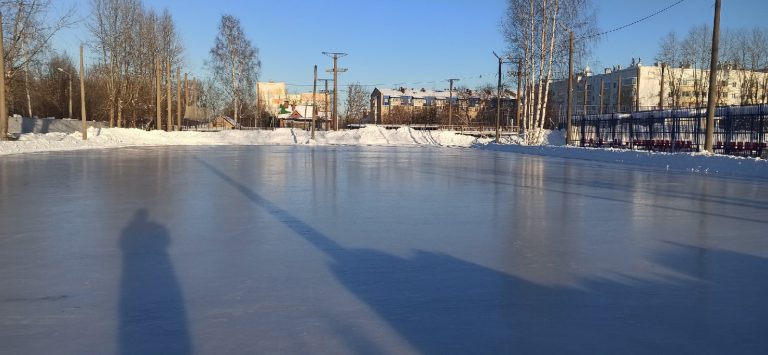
[(299, 116), (224, 122)]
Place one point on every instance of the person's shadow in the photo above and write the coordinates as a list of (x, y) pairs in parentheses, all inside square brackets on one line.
[(152, 316)]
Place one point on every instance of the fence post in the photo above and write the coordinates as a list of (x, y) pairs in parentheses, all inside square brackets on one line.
[(631, 122), (760, 132), (650, 133), (597, 132), (583, 130), (728, 129), (697, 129), (673, 132)]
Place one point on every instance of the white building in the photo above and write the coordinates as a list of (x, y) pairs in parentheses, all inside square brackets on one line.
[(639, 87)]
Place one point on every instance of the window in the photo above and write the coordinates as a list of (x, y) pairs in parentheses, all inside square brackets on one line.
[(385, 102)]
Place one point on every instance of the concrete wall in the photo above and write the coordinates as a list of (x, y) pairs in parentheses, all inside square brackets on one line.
[(44, 125)]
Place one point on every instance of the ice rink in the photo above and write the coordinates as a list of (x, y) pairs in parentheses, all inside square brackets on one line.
[(276, 249)]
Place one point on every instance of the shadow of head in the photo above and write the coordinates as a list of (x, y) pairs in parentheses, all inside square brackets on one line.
[(142, 235)]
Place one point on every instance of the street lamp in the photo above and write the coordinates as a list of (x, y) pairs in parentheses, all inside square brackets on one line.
[(70, 90)]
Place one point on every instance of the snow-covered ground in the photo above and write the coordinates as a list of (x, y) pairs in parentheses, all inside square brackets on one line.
[(553, 145)]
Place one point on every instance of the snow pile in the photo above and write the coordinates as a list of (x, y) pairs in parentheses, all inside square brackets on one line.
[(124, 137), (554, 142)]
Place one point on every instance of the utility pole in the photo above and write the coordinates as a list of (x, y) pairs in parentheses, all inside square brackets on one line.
[(186, 96), (712, 99), (450, 101), (325, 93), (314, 103), (82, 94), (168, 84), (517, 96), (336, 70), (569, 104), (178, 99), (3, 108), (498, 97), (158, 106)]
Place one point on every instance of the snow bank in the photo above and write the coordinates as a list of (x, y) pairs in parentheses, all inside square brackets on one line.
[(125, 137), (554, 142)]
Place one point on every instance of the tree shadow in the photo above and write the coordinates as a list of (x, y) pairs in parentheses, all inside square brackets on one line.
[(152, 315), (443, 305)]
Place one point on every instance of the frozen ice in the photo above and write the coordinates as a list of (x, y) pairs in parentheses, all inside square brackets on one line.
[(333, 249)]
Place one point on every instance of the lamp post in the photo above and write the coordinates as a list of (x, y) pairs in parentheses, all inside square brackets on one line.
[(69, 75)]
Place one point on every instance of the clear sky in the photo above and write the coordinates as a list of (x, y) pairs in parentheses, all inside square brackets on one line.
[(419, 43)]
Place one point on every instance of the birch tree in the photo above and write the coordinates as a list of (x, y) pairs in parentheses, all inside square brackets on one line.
[(234, 65), (536, 32)]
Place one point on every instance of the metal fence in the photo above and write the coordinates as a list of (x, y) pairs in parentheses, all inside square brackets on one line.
[(739, 130)]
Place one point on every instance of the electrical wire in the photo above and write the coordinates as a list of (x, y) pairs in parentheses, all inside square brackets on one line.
[(631, 23), (412, 83)]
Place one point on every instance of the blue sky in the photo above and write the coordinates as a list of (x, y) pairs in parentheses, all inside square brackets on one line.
[(417, 42)]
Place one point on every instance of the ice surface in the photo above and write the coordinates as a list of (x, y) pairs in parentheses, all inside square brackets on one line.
[(285, 249)]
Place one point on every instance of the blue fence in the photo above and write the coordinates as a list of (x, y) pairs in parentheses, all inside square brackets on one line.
[(739, 130)]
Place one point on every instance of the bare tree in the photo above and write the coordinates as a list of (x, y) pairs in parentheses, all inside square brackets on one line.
[(28, 32), (235, 65), (671, 53), (536, 32), (696, 49), (357, 102), (127, 39)]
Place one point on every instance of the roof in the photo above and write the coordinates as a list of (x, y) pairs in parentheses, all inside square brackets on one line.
[(229, 120), (419, 94), (437, 94), (299, 111)]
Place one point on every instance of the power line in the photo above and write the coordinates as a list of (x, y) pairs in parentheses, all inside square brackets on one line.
[(632, 23), (412, 83)]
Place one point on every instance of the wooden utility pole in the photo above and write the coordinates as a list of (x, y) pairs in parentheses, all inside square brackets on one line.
[(569, 104), (517, 95), (314, 103), (186, 96), (82, 94), (3, 108), (498, 97), (712, 99), (159, 104), (450, 101), (336, 70), (168, 83), (325, 115), (178, 99)]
